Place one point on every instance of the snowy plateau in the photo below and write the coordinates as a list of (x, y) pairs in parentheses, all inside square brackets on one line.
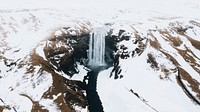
[(152, 56)]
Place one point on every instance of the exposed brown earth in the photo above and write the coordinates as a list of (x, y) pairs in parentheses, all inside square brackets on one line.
[(68, 93), (185, 89), (186, 53), (152, 60), (36, 60), (166, 73), (193, 84), (36, 107), (175, 41), (1, 109), (195, 43), (155, 44), (74, 95), (171, 58), (61, 85)]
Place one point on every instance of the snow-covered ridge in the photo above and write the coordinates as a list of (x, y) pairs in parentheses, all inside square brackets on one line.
[(30, 79), (164, 70)]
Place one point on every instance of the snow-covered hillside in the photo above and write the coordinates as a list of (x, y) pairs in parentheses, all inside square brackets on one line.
[(150, 80), (156, 61)]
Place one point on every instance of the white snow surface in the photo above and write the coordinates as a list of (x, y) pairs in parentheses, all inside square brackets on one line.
[(164, 96), (24, 23)]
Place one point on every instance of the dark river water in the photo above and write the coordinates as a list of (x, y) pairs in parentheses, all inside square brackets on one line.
[(94, 102)]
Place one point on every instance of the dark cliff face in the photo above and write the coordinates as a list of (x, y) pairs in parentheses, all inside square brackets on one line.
[(120, 50), (62, 54), (65, 51)]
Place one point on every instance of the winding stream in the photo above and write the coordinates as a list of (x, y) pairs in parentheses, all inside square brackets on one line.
[(94, 102)]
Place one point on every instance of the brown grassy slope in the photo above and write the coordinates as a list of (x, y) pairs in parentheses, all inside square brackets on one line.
[(36, 107), (193, 84), (187, 54), (60, 85), (195, 43), (1, 109)]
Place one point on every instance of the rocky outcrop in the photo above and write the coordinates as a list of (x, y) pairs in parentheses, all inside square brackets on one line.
[(122, 51), (64, 52)]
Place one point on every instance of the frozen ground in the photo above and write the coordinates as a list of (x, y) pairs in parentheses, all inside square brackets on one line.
[(24, 23)]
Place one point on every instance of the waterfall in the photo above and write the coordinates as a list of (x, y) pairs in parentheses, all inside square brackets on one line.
[(96, 52)]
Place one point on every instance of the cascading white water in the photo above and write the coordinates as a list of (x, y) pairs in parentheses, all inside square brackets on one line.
[(96, 52)]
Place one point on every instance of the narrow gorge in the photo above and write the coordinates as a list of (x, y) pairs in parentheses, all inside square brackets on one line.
[(96, 58)]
